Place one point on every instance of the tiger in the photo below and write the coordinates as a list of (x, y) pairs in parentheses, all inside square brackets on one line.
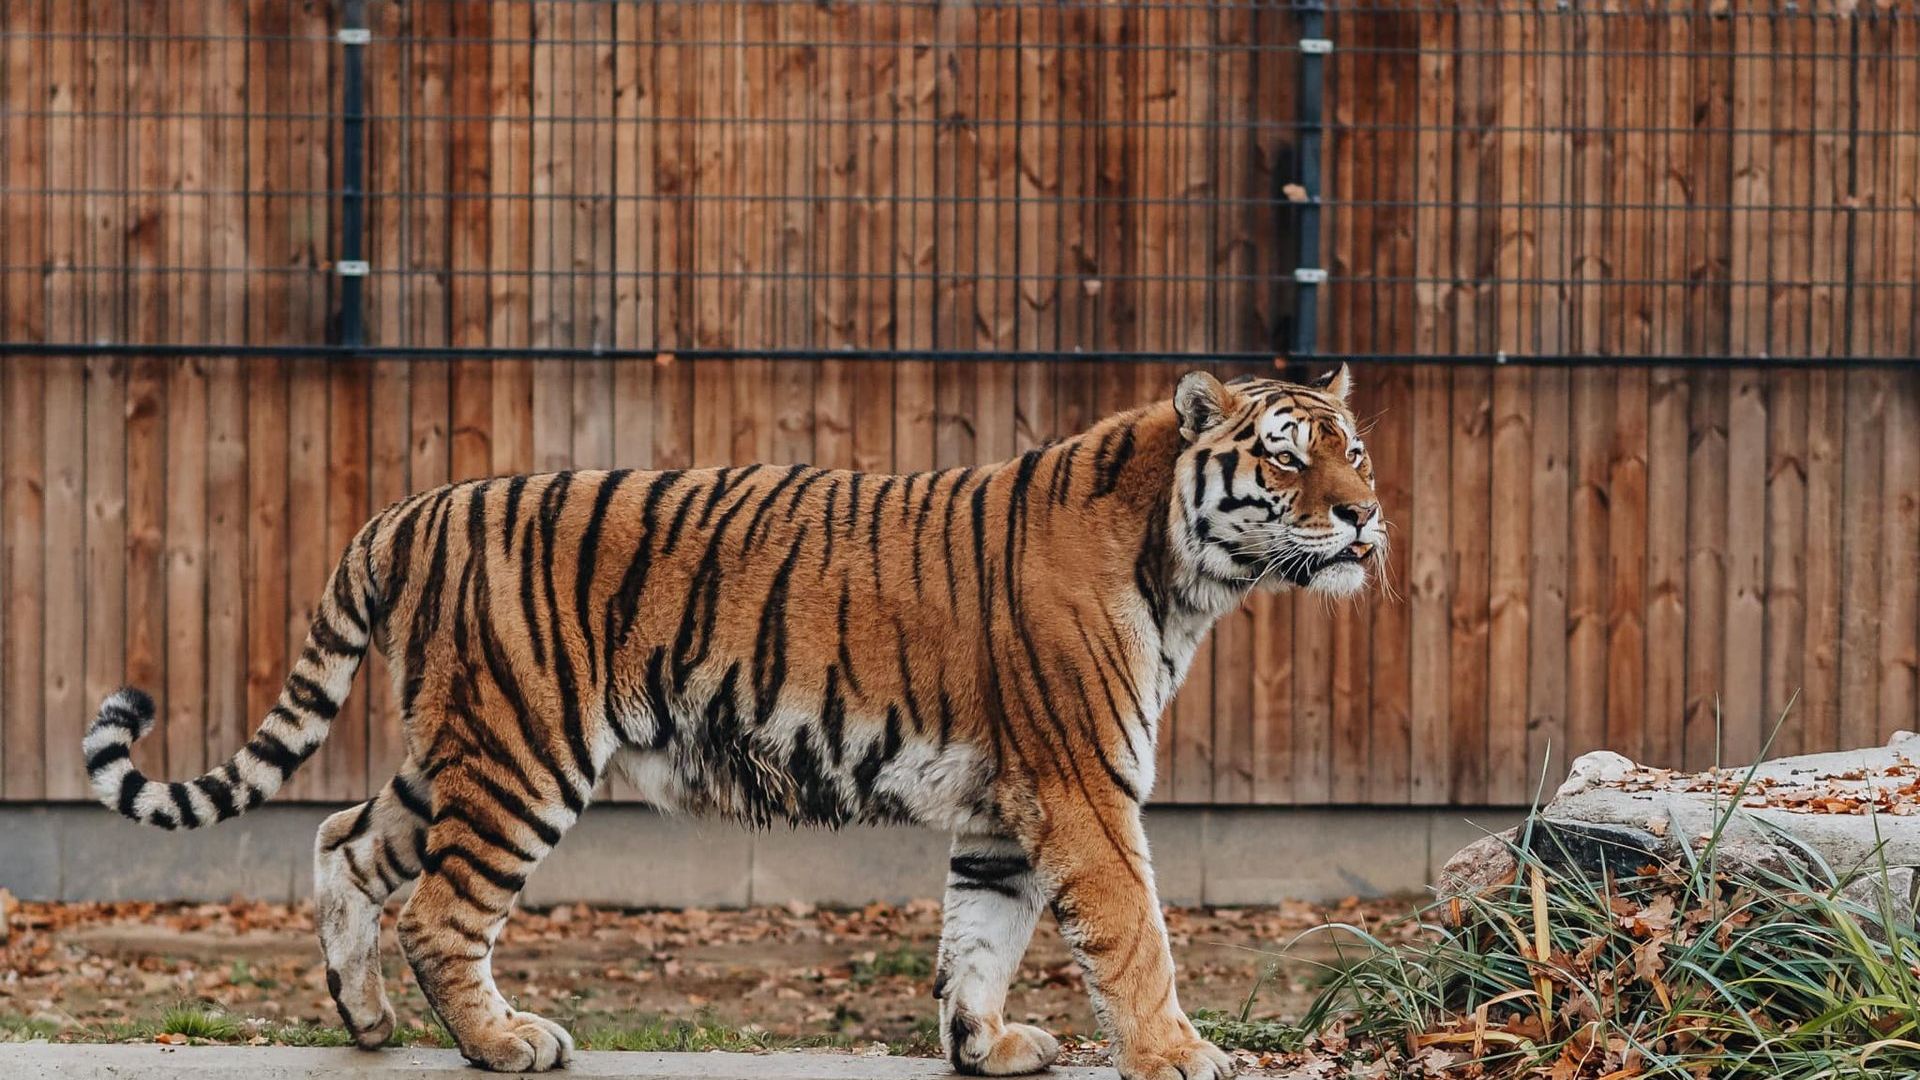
[(985, 651)]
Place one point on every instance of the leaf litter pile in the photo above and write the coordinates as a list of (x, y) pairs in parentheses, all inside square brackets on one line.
[(691, 979), (1892, 790)]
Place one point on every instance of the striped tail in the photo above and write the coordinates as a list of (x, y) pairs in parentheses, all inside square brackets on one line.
[(292, 730)]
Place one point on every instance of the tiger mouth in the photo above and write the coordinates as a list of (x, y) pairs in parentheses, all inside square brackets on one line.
[(1352, 553)]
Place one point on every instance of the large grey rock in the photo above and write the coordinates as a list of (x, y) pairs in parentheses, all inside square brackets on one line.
[(1614, 815)]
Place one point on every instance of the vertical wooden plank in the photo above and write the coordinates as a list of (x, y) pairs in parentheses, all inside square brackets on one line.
[(1826, 249), (64, 570), (4, 587), (1470, 477), (22, 140), (268, 528), (1429, 536), (1753, 64), (1903, 195), (188, 282), (106, 531), (753, 402), (594, 213), (146, 538), (1117, 177), (1786, 564), (511, 236), (790, 314), (391, 162), (228, 722), (551, 400), (103, 213), (832, 322), (634, 197), (1389, 434), (1591, 397), (716, 166), (1033, 36), (432, 158), (310, 556), (1551, 299), (873, 166), (1743, 691), (1431, 584), (1706, 565), (1626, 515), (555, 241), (1666, 560), (1819, 710), (24, 488), (1511, 463), (1549, 636), (1509, 615), (186, 566), (1744, 726), (1900, 554), (915, 255), (429, 409), (1862, 590), (471, 217)]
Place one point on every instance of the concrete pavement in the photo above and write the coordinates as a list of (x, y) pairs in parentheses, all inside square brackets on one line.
[(42, 1061)]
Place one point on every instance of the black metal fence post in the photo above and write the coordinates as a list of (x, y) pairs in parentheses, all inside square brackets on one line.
[(351, 266), (1308, 273)]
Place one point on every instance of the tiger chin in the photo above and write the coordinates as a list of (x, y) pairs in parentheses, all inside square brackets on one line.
[(986, 651)]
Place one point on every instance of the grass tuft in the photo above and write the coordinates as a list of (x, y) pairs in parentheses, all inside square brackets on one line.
[(664, 1035), (1713, 968), (199, 1022), (905, 961)]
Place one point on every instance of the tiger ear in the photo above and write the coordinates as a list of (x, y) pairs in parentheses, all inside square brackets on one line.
[(1335, 384), (1201, 402)]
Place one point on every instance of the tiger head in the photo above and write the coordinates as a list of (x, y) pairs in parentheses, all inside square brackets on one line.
[(1274, 484)]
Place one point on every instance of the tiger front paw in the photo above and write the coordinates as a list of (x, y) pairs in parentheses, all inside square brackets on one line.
[(1011, 1050), (1194, 1060), (524, 1042)]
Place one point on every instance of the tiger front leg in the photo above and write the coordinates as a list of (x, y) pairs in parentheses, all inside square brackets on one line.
[(1092, 861), (993, 901)]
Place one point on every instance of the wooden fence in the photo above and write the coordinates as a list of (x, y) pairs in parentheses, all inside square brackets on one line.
[(1656, 559)]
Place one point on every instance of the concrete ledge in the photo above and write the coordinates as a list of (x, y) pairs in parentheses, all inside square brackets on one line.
[(53, 1062), (630, 856)]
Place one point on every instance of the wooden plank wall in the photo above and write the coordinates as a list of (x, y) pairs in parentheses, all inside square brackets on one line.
[(1650, 559), (1647, 558)]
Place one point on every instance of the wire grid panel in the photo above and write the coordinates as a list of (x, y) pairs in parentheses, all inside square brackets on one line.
[(770, 174), (168, 172), (1632, 179), (722, 174)]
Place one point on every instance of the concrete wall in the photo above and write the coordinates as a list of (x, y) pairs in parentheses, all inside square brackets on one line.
[(632, 856)]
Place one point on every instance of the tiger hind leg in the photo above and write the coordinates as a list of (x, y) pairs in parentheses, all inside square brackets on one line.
[(993, 901), (361, 856), (483, 842)]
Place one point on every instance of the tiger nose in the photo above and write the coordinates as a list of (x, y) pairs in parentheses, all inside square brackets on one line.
[(1356, 514)]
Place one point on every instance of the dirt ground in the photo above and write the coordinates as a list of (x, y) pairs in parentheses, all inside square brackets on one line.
[(794, 972)]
